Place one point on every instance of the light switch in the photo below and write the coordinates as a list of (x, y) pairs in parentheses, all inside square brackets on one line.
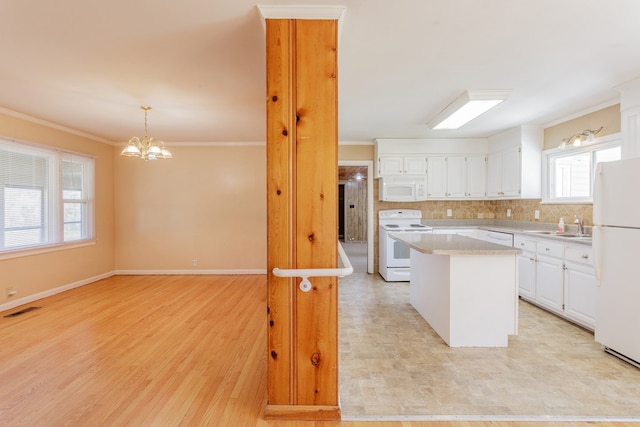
[(536, 214)]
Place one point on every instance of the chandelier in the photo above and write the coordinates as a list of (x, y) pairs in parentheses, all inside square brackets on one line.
[(147, 148)]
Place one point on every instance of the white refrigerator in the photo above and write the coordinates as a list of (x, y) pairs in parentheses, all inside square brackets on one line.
[(616, 247)]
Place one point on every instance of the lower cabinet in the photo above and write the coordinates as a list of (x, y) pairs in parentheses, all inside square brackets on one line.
[(557, 277), (549, 275), (580, 286), (526, 267)]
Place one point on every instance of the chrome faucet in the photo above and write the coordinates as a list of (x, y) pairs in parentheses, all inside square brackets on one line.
[(579, 223)]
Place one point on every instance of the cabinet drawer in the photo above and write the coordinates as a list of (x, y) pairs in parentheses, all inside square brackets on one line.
[(524, 243), (580, 254), (548, 248)]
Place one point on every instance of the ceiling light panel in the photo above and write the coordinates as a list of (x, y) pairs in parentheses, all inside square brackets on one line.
[(469, 105)]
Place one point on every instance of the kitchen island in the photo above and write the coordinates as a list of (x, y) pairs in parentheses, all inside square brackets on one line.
[(466, 289)]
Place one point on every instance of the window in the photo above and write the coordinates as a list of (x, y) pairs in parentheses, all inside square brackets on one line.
[(46, 196), (570, 171)]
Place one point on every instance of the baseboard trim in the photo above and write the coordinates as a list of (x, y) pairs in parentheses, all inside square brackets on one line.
[(34, 297), (185, 272), (302, 413)]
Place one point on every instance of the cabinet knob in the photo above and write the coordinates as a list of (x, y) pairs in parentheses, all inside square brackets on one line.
[(547, 249), (585, 256)]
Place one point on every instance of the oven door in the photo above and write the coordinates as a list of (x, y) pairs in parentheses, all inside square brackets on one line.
[(397, 253)]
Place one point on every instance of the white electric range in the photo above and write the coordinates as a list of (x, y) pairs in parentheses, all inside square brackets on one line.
[(393, 256)]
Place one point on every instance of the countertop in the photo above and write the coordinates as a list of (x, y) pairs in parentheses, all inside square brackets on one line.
[(451, 244), (534, 229)]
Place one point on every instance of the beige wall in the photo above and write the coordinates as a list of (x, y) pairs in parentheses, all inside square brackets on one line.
[(608, 117), (207, 203), (355, 152), (30, 275)]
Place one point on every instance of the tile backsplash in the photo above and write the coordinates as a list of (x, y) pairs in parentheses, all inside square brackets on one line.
[(521, 210)]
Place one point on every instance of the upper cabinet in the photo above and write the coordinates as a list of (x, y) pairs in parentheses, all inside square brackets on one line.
[(476, 176), (504, 166), (394, 165), (514, 163), (456, 177), (503, 173)]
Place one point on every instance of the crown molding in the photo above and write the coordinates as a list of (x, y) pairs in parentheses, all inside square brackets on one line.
[(52, 125)]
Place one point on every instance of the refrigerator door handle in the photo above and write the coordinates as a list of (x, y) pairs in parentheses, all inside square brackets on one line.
[(597, 251), (597, 195)]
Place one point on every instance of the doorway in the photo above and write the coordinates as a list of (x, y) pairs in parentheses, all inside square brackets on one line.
[(355, 213)]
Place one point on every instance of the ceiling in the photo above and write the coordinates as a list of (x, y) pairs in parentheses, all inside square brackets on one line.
[(89, 65)]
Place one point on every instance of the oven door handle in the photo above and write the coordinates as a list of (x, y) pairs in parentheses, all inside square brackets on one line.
[(305, 273)]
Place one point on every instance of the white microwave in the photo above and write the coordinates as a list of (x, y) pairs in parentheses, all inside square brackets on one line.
[(403, 188)]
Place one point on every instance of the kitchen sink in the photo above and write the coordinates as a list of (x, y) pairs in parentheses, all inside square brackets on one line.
[(565, 234)]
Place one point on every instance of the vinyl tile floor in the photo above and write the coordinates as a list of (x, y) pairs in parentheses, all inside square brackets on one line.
[(392, 364)]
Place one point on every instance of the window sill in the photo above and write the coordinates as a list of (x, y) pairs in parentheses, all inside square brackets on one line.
[(45, 249)]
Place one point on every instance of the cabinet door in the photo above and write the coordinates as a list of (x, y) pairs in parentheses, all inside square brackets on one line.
[(436, 177), (511, 172), (415, 165), (527, 275), (476, 176), (549, 283), (494, 175), (456, 177), (580, 293), (390, 165)]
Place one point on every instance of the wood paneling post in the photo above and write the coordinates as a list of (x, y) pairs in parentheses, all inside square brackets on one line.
[(302, 224)]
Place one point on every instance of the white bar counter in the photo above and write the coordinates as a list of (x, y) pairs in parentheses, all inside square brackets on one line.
[(466, 289)]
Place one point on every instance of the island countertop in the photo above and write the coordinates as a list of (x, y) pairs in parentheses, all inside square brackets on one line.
[(451, 244)]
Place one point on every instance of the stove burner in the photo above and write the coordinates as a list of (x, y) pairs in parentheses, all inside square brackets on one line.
[(418, 225), (392, 226)]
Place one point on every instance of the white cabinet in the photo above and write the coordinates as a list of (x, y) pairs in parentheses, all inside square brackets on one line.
[(456, 177), (514, 163), (415, 165), (550, 274), (526, 267), (401, 165), (476, 177), (511, 172), (557, 277), (503, 173), (579, 285), (436, 177)]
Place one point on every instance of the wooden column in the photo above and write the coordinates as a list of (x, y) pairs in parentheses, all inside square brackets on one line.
[(302, 224)]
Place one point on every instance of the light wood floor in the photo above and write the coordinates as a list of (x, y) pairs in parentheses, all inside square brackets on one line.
[(147, 351)]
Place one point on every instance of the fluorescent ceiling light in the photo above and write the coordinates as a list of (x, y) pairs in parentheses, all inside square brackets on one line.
[(467, 107)]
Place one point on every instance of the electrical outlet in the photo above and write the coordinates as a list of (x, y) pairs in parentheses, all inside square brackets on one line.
[(536, 214), (508, 213), (449, 213), (11, 291), (195, 262)]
